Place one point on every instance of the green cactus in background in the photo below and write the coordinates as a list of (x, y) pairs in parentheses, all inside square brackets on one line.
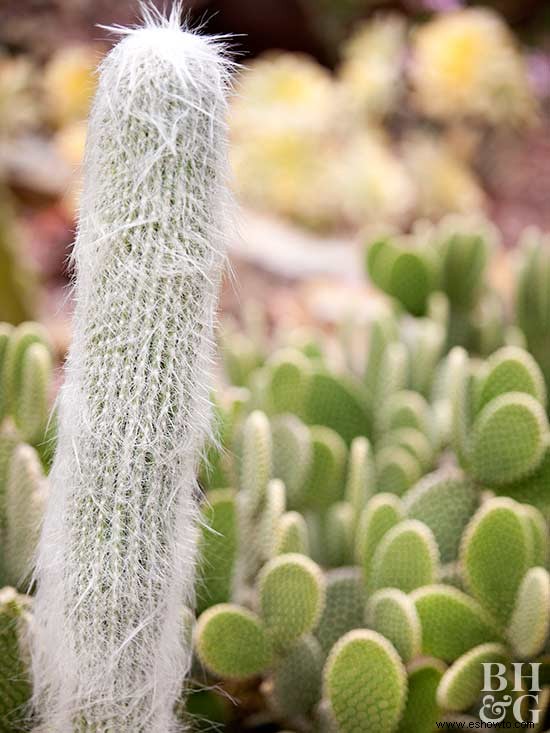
[(217, 549), (17, 280), (529, 625), (295, 686), (26, 493), (15, 687)]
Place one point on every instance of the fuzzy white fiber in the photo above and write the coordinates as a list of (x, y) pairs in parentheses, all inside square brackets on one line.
[(117, 552)]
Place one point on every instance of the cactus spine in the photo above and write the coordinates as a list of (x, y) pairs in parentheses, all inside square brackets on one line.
[(117, 554)]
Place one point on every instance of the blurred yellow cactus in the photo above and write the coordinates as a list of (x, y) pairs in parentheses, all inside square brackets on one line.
[(372, 182), (371, 73), (466, 63), (18, 106), (443, 181), (69, 82), (288, 89)]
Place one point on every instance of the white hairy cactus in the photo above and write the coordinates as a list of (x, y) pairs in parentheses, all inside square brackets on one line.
[(117, 553)]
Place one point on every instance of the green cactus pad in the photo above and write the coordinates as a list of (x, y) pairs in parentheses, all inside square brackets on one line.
[(21, 339), (6, 331), (495, 555), (422, 711), (292, 534), (511, 369), (413, 441), (291, 591), (232, 643), (408, 409), (462, 683), (338, 535), (382, 513), (270, 519), (31, 407), (445, 501), (256, 466), (392, 378), (532, 489), (452, 622), (217, 549), (292, 456), (289, 374), (339, 403), (509, 439), (383, 331), (426, 345), (344, 606), (15, 688), (325, 481), (406, 558), (297, 678), (411, 281), (393, 614), (26, 493), (464, 258), (365, 683), (397, 470), (360, 483), (537, 529), (530, 620), (380, 256)]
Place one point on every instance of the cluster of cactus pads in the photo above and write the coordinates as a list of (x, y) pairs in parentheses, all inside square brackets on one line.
[(375, 513)]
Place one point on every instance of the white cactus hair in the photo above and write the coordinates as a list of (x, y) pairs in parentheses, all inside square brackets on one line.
[(116, 557)]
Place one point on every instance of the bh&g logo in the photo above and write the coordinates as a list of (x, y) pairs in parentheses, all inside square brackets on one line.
[(495, 679)]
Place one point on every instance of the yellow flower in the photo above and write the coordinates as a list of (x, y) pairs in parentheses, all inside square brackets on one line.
[(285, 89), (371, 71), (444, 183), (466, 63), (69, 82)]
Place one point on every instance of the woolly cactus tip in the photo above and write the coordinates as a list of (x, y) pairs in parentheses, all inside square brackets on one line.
[(117, 553)]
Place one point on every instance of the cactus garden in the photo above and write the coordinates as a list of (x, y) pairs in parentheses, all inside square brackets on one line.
[(212, 519)]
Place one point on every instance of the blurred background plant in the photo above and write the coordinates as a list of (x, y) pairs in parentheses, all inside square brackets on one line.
[(388, 156), (349, 117)]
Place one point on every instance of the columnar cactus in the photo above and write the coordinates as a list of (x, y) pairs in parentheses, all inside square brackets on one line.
[(117, 554)]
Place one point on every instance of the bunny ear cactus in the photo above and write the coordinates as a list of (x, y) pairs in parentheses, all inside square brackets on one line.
[(117, 554), (291, 591), (422, 710), (393, 614), (452, 622), (26, 493), (295, 686), (406, 558), (365, 683), (232, 642), (530, 620), (217, 549), (15, 686), (445, 501), (532, 305), (497, 530), (344, 606)]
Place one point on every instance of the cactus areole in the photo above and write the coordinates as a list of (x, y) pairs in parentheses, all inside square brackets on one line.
[(117, 553)]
